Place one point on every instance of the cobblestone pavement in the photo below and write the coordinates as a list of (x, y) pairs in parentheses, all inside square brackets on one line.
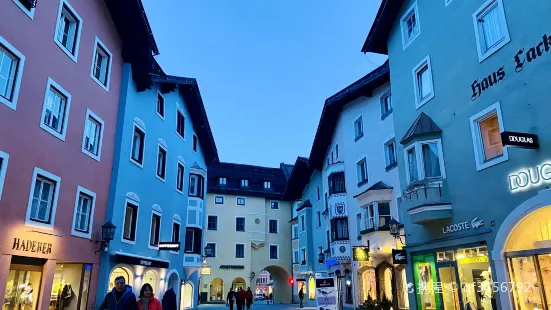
[(257, 306)]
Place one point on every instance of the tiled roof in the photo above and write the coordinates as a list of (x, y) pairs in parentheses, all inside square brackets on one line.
[(298, 178), (255, 175), (422, 125), (376, 41)]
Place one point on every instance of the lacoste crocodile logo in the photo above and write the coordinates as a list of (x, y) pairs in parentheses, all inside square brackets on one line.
[(399, 257), (475, 223)]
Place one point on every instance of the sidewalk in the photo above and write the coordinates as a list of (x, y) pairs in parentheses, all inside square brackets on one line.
[(257, 306)]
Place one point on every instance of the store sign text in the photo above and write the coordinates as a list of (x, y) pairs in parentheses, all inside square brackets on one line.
[(32, 246), (474, 224), (534, 176)]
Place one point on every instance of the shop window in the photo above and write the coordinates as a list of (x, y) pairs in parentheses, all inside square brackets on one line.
[(369, 287), (301, 284), (70, 287), (401, 287), (425, 276), (312, 288), (385, 281), (120, 272), (23, 283), (150, 276), (186, 299)]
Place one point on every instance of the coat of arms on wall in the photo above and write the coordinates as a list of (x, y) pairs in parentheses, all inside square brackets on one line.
[(257, 246), (339, 208)]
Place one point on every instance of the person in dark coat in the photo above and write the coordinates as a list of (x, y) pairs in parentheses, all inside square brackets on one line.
[(301, 296), (249, 298), (230, 299), (169, 300), (241, 297), (120, 298)]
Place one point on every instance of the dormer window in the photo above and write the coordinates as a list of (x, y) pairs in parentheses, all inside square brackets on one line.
[(267, 185), (222, 181), (244, 183)]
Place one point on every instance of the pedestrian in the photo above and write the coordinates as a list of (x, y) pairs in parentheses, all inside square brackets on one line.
[(301, 296), (241, 297), (271, 298), (147, 300), (249, 298), (230, 299), (169, 300), (120, 298)]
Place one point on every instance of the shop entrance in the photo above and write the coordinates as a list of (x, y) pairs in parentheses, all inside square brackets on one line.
[(23, 286)]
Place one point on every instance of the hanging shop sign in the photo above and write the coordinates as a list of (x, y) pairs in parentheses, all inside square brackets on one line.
[(31, 246), (457, 227), (360, 253), (326, 293), (232, 267), (519, 139), (169, 246), (530, 177), (399, 257), (134, 260), (205, 270)]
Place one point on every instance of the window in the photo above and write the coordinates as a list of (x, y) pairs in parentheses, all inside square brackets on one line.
[(93, 135), (274, 205), (390, 154), (43, 201), (486, 128), (219, 200), (362, 171), (295, 257), (240, 201), (244, 183), (189, 246), (332, 157), (239, 250), (160, 105), (25, 6), (274, 251), (155, 229), (11, 70), (130, 219), (84, 213), (239, 224), (318, 213), (318, 193), (295, 231), (410, 25), (399, 208), (370, 217), (212, 247), (138, 142), (425, 161), (180, 177), (302, 224), (194, 143), (384, 214), (358, 128), (490, 28), (386, 105), (212, 222), (358, 225), (274, 224), (68, 28), (303, 255), (336, 183), (336, 151), (196, 183), (4, 157), (422, 75), (339, 229), (55, 112), (267, 185), (222, 181), (161, 162), (101, 66), (180, 123), (175, 232), (447, 2)]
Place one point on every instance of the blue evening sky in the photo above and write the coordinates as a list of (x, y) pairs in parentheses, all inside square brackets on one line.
[(264, 67)]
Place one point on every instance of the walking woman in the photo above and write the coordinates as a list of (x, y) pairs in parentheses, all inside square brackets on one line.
[(147, 300)]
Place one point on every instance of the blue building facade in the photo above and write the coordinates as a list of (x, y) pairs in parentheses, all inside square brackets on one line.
[(158, 186)]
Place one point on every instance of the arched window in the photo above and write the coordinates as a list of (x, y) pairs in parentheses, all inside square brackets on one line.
[(119, 272), (150, 276), (187, 296), (312, 288)]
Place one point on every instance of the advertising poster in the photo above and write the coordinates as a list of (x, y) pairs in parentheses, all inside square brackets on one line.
[(326, 293)]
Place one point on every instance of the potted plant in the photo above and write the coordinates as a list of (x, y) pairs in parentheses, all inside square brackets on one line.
[(370, 304), (385, 304)]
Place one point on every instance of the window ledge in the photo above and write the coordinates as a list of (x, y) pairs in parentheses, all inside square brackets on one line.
[(358, 137), (29, 13), (91, 155), (136, 163), (103, 86), (50, 130), (363, 182), (494, 161), (425, 101), (66, 51), (391, 166), (385, 115), (161, 179)]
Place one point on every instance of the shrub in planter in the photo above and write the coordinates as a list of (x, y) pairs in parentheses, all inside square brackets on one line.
[(385, 304), (370, 304)]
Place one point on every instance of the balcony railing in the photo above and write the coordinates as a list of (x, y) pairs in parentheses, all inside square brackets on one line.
[(379, 223)]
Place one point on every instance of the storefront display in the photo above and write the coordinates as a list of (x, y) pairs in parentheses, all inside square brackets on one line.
[(424, 274), (532, 278), (70, 287), (23, 284)]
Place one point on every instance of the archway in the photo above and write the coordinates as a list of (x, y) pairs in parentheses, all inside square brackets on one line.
[(150, 276), (402, 299), (216, 290), (384, 278), (239, 283), (173, 282), (120, 271), (281, 291), (186, 297), (367, 284)]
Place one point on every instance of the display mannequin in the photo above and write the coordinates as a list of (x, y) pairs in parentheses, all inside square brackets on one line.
[(486, 291), (26, 298)]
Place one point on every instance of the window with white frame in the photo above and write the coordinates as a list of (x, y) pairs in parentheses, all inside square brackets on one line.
[(43, 200), (84, 212), (175, 231), (240, 201), (189, 242), (386, 104), (244, 183), (383, 209), (423, 83), (212, 247), (239, 250), (55, 112), (239, 224), (155, 229), (274, 205), (68, 28), (180, 123), (370, 216), (160, 105), (486, 128), (425, 161), (490, 28), (194, 143), (161, 162), (295, 231), (180, 177), (93, 135), (410, 25), (26, 6), (212, 222), (303, 256), (101, 66), (302, 223), (274, 251), (138, 143), (295, 257), (219, 200), (4, 157), (196, 184), (358, 128), (130, 222), (358, 224), (399, 208), (273, 226), (267, 184), (361, 167), (222, 181), (11, 69), (390, 154)]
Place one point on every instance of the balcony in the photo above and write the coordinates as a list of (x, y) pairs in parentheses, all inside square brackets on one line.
[(427, 203), (341, 250), (373, 224)]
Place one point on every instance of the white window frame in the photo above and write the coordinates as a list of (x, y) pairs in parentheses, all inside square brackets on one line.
[(304, 257), (386, 153), (47, 226), (179, 163), (29, 13), (90, 114), (98, 43), (277, 226), (237, 201), (159, 147), (12, 104), (49, 85), (223, 200), (155, 212), (478, 147), (271, 202), (164, 106), (296, 254), (77, 32), (176, 221), (222, 181), (403, 25), (75, 232), (267, 185), (384, 96), (216, 216), (215, 248), (359, 120), (270, 250), (363, 159), (195, 142), (447, 2), (418, 101), (293, 235), (244, 224), (235, 250), (137, 204), (179, 110), (142, 129), (358, 224), (482, 55), (419, 160), (3, 169)]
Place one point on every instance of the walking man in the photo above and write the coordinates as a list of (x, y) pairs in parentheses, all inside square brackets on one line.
[(120, 298), (301, 296), (249, 295), (241, 297), (231, 298)]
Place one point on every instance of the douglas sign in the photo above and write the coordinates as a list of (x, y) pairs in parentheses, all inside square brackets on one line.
[(530, 177)]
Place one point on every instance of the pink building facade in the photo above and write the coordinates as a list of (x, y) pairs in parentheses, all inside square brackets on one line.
[(60, 75)]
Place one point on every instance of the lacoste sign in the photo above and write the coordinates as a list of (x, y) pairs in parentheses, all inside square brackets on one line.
[(457, 227), (399, 257)]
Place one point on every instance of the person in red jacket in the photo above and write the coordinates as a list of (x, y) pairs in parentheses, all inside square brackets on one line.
[(241, 297), (147, 300), (249, 298)]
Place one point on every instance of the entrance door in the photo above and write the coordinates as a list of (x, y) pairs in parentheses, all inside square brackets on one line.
[(447, 274)]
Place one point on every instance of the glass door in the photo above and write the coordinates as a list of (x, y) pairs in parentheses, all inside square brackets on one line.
[(447, 274)]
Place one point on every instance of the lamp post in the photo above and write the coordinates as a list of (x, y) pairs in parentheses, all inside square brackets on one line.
[(252, 275), (394, 226), (107, 234)]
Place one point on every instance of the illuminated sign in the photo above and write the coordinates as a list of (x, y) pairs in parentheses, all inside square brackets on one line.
[(205, 270), (135, 260), (518, 139), (232, 267), (31, 246), (360, 253), (475, 223), (530, 177), (473, 260), (169, 246), (399, 257)]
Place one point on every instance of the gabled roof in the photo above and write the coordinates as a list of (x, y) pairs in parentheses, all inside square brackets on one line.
[(189, 90), (306, 204), (299, 177), (423, 124), (375, 187), (286, 169), (376, 41), (334, 105), (256, 176)]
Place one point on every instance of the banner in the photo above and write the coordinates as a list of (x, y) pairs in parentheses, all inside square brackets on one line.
[(326, 293)]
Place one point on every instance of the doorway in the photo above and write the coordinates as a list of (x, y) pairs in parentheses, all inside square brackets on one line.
[(447, 276)]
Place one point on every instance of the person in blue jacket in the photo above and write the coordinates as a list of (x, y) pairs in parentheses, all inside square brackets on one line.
[(120, 298)]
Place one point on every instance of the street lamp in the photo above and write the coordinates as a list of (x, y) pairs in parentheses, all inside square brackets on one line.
[(394, 226), (252, 275), (321, 257), (107, 234)]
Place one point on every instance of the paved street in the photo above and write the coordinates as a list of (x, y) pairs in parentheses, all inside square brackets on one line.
[(258, 306)]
